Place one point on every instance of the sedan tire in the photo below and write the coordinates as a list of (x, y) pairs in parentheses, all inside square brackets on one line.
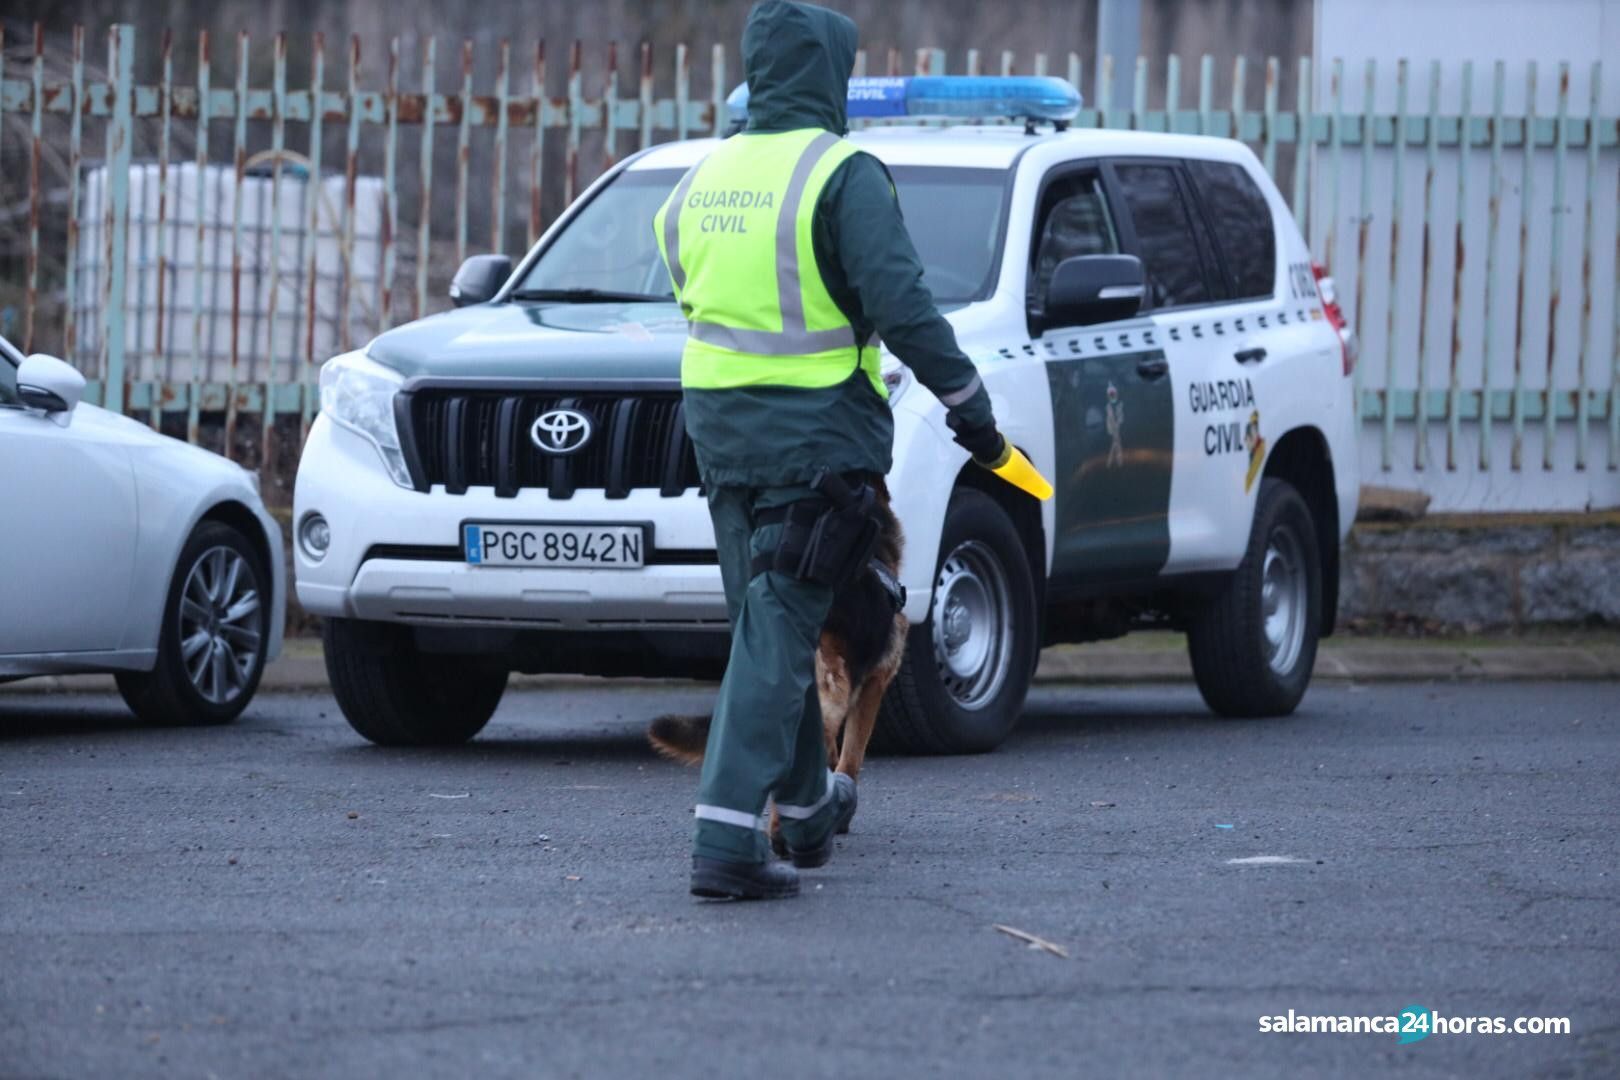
[(211, 645)]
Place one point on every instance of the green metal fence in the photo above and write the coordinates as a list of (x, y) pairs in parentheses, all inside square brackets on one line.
[(174, 308)]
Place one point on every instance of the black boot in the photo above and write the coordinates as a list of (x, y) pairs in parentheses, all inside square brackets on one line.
[(817, 854), (716, 879)]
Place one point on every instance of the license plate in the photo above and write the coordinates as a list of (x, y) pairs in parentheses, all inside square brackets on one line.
[(604, 546)]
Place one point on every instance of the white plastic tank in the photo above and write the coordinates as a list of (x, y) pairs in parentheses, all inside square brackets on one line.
[(273, 310)]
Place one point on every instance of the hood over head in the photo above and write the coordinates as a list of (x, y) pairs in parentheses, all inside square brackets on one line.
[(797, 58)]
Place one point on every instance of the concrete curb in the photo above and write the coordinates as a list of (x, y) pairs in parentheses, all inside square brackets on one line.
[(1355, 661), (1141, 658)]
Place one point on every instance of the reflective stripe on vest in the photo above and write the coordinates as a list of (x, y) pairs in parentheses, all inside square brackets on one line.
[(736, 237)]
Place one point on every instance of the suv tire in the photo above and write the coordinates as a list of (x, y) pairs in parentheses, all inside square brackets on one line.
[(216, 623), (1253, 645), (966, 671), (394, 694)]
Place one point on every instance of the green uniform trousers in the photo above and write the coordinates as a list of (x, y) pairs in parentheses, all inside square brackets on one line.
[(765, 740)]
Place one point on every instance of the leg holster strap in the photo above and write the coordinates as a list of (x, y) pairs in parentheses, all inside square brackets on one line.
[(827, 539)]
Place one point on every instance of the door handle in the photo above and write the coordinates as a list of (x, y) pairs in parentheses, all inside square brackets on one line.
[(1249, 356), (1153, 368)]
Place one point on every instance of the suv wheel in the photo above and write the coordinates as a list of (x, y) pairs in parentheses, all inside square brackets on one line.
[(967, 669), (1254, 645), (396, 695), (211, 642)]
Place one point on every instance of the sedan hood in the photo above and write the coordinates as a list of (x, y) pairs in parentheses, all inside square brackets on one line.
[(539, 341), (155, 455)]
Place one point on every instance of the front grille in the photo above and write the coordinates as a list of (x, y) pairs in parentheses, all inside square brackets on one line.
[(480, 438)]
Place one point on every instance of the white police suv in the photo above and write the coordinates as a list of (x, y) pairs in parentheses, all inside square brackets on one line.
[(509, 485)]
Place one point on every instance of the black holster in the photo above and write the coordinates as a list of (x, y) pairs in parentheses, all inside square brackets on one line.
[(829, 539)]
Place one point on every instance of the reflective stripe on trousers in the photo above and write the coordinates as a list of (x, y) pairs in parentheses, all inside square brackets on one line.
[(744, 820), (728, 817)]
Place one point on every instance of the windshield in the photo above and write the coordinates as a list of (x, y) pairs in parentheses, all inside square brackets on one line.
[(954, 217)]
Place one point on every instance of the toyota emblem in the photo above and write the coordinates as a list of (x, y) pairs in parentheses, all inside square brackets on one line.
[(561, 431)]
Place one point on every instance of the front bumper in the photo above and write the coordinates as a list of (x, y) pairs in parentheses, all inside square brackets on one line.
[(395, 553), (444, 592)]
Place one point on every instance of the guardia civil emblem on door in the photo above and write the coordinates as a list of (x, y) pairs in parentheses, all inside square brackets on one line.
[(1115, 420), (1256, 446)]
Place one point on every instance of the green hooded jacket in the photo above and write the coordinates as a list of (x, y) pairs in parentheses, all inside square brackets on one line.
[(798, 58)]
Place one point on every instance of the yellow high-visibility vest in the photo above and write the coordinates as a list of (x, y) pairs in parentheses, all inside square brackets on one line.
[(736, 237)]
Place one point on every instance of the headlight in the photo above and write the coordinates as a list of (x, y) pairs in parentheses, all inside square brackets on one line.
[(359, 394)]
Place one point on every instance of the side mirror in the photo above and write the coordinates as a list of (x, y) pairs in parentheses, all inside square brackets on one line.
[(1088, 289), (479, 278), (48, 384)]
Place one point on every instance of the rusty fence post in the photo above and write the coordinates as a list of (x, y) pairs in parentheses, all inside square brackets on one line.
[(120, 130)]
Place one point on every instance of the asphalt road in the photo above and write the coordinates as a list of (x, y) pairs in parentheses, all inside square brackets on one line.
[(278, 898)]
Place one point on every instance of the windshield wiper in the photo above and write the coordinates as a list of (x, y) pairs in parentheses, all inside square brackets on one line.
[(589, 296)]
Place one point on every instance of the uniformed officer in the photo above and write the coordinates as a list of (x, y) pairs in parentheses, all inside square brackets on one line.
[(790, 259)]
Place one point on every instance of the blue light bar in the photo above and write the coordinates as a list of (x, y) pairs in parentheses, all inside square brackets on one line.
[(978, 97)]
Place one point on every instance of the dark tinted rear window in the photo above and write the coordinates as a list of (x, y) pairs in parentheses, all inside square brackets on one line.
[(1164, 235), (1241, 220)]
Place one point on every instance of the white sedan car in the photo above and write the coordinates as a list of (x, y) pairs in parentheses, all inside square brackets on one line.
[(125, 551)]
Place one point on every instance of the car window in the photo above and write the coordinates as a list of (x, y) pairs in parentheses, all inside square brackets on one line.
[(1241, 220), (8, 373), (1074, 221), (610, 244), (1165, 240), (954, 216)]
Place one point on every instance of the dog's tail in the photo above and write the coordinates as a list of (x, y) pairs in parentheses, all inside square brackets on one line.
[(680, 738)]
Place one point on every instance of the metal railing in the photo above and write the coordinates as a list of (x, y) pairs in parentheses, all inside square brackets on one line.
[(1462, 359)]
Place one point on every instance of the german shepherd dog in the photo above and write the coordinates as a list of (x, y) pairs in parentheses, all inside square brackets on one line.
[(856, 659)]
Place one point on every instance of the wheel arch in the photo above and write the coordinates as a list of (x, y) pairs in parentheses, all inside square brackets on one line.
[(245, 521), (1304, 459), (1024, 510), (919, 713)]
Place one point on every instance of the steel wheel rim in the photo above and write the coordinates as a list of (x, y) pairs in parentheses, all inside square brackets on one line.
[(221, 625), (971, 617), (1283, 601)]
